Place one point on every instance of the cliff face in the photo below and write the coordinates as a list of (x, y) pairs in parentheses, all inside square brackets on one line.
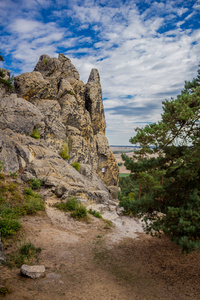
[(68, 114)]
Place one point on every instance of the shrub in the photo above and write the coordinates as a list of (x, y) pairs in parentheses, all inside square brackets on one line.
[(69, 205), (29, 192), (80, 212), (77, 166), (4, 290), (71, 93), (95, 213), (14, 174), (14, 204), (28, 250), (35, 183), (35, 134), (25, 254), (64, 152), (8, 225), (32, 205), (1, 166)]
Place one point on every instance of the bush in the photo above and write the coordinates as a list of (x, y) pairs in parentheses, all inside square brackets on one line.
[(14, 204), (95, 213), (80, 212), (1, 166), (25, 254), (14, 174), (77, 166), (35, 183), (32, 205), (35, 134), (69, 205), (4, 290), (8, 225)]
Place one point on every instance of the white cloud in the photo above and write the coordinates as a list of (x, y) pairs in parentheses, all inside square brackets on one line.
[(140, 62)]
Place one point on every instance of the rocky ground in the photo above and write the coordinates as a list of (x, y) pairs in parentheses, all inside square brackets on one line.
[(92, 261)]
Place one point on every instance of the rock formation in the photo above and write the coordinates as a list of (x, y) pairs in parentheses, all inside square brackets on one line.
[(67, 114)]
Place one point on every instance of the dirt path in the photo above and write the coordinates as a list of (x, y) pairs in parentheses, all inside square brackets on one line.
[(88, 261)]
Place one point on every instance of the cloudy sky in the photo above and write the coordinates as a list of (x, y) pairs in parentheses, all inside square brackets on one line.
[(144, 50)]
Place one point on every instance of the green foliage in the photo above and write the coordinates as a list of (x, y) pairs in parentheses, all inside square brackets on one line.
[(33, 202), (4, 290), (9, 225), (95, 213), (35, 183), (71, 93), (78, 211), (28, 250), (1, 166), (14, 174), (64, 153), (77, 166), (27, 253), (69, 205), (35, 134), (168, 183), (44, 61), (14, 204)]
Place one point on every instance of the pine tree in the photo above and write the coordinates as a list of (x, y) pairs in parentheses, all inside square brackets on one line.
[(169, 198)]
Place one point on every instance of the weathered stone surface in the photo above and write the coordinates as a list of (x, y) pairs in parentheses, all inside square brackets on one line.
[(114, 191), (19, 115), (106, 162), (67, 113), (33, 271), (94, 103)]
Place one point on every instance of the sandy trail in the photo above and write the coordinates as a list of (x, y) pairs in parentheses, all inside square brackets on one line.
[(88, 261)]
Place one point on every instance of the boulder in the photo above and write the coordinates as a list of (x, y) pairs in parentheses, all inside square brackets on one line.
[(68, 115), (33, 272)]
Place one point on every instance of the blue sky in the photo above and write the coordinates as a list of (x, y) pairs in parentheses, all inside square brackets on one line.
[(144, 50)]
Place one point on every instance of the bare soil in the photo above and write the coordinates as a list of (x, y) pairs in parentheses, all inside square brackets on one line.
[(88, 261)]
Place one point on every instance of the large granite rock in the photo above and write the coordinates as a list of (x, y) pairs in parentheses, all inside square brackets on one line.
[(68, 114)]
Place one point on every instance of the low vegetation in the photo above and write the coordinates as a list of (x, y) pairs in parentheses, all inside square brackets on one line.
[(35, 134), (4, 290), (26, 254), (35, 183), (16, 202), (64, 153), (78, 210), (77, 166), (95, 213)]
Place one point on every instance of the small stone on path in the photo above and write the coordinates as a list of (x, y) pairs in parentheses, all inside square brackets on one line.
[(33, 271)]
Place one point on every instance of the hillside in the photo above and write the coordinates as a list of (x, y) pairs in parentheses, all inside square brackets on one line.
[(53, 150)]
